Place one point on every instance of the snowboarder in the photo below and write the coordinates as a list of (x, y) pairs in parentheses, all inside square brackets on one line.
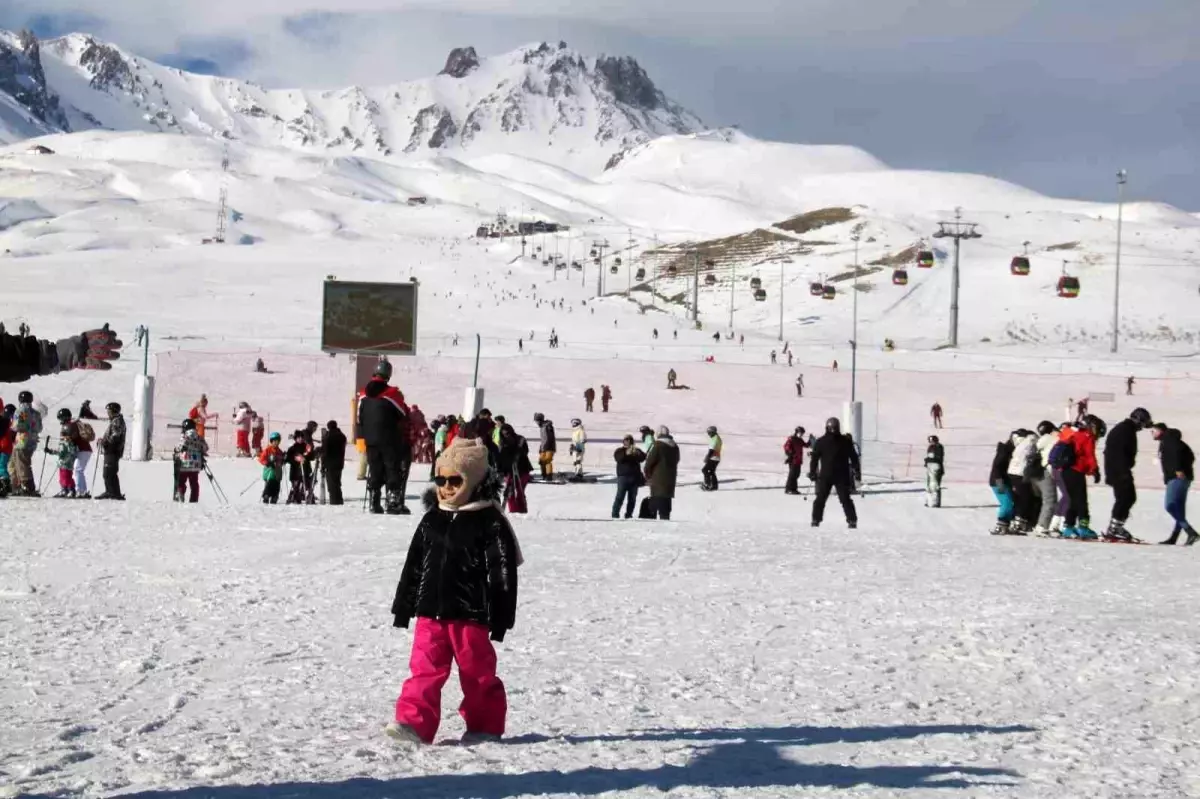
[(655, 334), (1046, 487), (460, 582), (189, 459), (712, 459), (1083, 445), (834, 465), (1177, 462), (793, 456), (936, 414), (1081, 410), (112, 449), (260, 367), (589, 399), (520, 345), (272, 459), (27, 425), (1001, 487), (333, 460), (382, 423), (800, 386), (578, 446), (676, 335), (671, 378), (1129, 386), (86, 412), (717, 338), (629, 460), (1120, 457), (935, 470), (547, 446), (662, 473), (605, 397)]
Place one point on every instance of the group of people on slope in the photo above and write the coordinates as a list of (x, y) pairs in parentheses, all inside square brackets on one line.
[(21, 428), (306, 458), (1040, 478)]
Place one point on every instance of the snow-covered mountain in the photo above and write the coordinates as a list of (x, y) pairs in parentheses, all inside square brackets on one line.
[(542, 99)]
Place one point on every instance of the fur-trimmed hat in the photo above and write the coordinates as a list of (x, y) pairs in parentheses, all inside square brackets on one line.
[(468, 457)]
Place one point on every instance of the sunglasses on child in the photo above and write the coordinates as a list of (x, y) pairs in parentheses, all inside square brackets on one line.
[(454, 481)]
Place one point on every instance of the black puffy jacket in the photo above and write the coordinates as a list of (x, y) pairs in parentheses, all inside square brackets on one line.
[(1120, 451), (1176, 456), (382, 416), (513, 456), (629, 463), (999, 473), (834, 460), (333, 449), (461, 566), (936, 454)]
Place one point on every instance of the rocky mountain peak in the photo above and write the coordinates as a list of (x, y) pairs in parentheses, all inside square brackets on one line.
[(106, 65), (23, 79), (461, 62), (629, 83)]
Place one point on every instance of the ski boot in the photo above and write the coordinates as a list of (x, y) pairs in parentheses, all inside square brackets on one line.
[(1018, 527), (1069, 533), (1001, 528), (64, 494), (395, 505), (852, 525), (376, 502), (1085, 533), (84, 495), (1117, 534)]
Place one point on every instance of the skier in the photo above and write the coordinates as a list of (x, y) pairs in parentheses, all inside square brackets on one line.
[(272, 459), (662, 473), (27, 424), (629, 460), (793, 452), (547, 446), (578, 445), (671, 377), (299, 458), (1083, 443), (655, 334), (1002, 487), (65, 459), (834, 465), (260, 367), (7, 438), (382, 416), (1129, 386), (189, 459), (23, 356), (1120, 456), (200, 416), (1024, 470), (605, 397), (774, 357), (835, 366), (589, 397), (935, 469), (520, 345), (258, 428), (112, 449), (333, 460), (243, 420), (1048, 522), (82, 435), (712, 459), (717, 338), (514, 466), (1177, 462), (1081, 410), (789, 359), (460, 582), (800, 386), (936, 413)]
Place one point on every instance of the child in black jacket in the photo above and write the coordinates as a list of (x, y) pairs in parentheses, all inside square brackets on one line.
[(460, 582), (299, 458)]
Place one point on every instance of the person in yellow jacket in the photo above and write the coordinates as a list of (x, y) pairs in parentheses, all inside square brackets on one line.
[(578, 445), (712, 459)]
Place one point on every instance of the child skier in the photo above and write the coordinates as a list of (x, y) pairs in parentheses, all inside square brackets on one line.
[(712, 459), (460, 582), (189, 462), (299, 459), (272, 459), (66, 453), (999, 481), (7, 438)]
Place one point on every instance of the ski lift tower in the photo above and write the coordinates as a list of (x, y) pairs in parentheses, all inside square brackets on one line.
[(957, 230), (223, 202)]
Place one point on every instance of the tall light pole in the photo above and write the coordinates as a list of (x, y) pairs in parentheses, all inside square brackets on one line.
[(1122, 177), (957, 230), (781, 299), (732, 284), (695, 287), (857, 236), (600, 247)]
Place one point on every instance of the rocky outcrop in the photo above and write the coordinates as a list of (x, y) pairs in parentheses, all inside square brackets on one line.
[(23, 79), (461, 62), (107, 68), (628, 83)]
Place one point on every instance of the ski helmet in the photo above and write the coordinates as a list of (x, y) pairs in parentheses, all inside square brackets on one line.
[(188, 425), (25, 397), (576, 423), (712, 430), (332, 425), (1046, 428), (934, 440), (832, 425), (1097, 424), (275, 437), (799, 431), (538, 418), (383, 370), (113, 407), (1141, 417), (63, 415), (10, 410)]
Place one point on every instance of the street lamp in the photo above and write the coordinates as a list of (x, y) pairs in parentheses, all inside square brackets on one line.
[(1122, 178)]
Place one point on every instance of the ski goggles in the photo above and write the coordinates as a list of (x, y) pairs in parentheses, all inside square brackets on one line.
[(454, 481)]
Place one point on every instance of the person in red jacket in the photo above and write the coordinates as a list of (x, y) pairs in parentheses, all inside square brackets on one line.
[(1078, 517), (793, 450)]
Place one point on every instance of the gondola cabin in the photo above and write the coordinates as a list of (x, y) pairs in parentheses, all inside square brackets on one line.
[(594, 254), (756, 283), (617, 261), (900, 277), (710, 280), (613, 270), (925, 259), (816, 289), (1068, 287), (709, 263), (760, 295), (1020, 265), (673, 271), (641, 274), (829, 292)]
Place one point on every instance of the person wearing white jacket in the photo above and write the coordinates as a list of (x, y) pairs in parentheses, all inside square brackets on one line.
[(1021, 471), (578, 445), (243, 418), (1048, 524)]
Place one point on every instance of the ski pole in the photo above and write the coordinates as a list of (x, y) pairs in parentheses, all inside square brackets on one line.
[(42, 475), (247, 488), (95, 470)]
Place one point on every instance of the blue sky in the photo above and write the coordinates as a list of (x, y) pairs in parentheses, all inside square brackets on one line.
[(1055, 95)]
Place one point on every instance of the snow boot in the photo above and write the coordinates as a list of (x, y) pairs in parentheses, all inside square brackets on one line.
[(376, 502), (852, 525), (1173, 540), (470, 738), (1193, 536), (402, 733)]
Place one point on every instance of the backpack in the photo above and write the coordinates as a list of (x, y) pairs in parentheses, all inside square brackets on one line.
[(86, 433), (1062, 455)]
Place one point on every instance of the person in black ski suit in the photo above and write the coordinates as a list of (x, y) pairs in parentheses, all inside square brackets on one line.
[(112, 449), (629, 459), (333, 460), (793, 456), (299, 458), (1120, 456), (834, 466), (23, 357), (383, 425)]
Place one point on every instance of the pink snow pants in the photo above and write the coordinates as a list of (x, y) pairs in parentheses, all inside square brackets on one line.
[(436, 646)]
